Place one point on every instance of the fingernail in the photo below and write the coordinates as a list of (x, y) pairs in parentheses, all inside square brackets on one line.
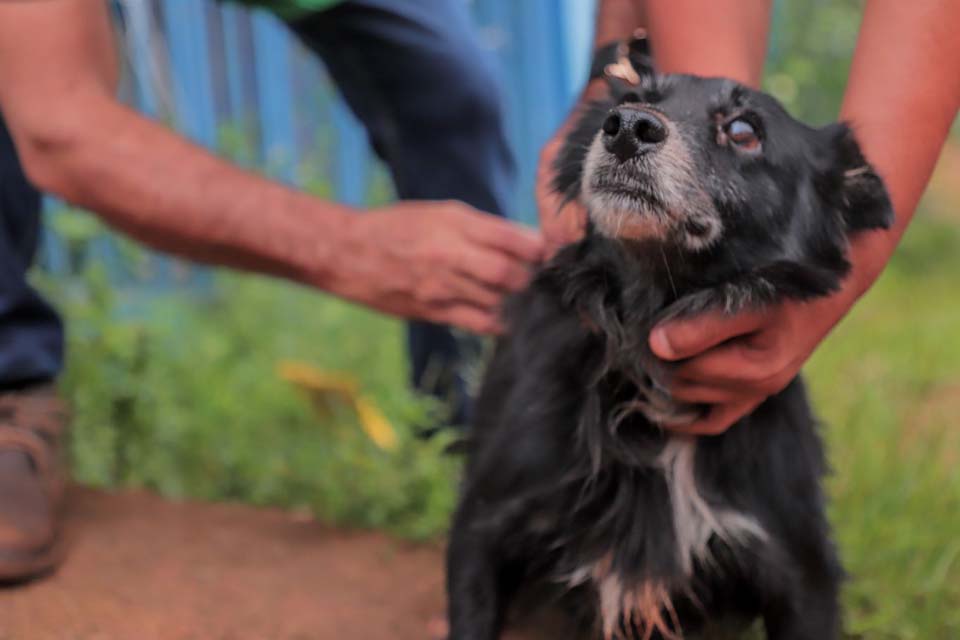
[(660, 344)]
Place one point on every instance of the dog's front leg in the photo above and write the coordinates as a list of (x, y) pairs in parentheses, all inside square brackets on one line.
[(476, 601)]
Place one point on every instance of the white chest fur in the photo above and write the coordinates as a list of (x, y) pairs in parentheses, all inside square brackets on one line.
[(648, 607)]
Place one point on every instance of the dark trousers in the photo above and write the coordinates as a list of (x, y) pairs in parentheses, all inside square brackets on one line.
[(31, 337), (415, 75)]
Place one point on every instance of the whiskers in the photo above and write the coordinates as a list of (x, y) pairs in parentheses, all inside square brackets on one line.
[(666, 265)]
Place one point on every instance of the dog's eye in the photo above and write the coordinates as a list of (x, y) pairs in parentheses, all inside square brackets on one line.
[(743, 134)]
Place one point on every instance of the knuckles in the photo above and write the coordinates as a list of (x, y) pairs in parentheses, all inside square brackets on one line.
[(506, 276), (431, 293)]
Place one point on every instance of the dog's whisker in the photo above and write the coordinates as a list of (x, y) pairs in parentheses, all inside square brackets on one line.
[(666, 264)]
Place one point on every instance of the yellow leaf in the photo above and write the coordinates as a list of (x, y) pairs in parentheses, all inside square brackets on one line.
[(324, 387), (310, 378), (375, 424)]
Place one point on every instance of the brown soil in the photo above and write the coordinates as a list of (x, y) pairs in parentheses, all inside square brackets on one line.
[(142, 568)]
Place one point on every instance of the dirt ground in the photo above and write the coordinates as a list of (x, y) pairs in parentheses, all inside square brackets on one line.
[(142, 568)]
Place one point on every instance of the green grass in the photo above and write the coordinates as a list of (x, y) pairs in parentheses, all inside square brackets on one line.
[(181, 396), (887, 385)]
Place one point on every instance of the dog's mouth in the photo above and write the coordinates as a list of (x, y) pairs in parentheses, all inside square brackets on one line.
[(648, 198), (639, 192), (632, 184), (636, 179), (624, 202)]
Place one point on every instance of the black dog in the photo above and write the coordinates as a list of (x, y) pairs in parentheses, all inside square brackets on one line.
[(702, 194)]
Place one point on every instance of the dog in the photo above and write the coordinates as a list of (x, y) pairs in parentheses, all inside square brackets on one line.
[(702, 195)]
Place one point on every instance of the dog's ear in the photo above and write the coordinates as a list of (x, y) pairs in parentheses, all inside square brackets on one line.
[(633, 64), (851, 185), (641, 58)]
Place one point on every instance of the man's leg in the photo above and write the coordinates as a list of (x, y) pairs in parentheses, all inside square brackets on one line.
[(414, 73), (31, 418)]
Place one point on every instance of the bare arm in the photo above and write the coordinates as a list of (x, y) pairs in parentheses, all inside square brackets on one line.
[(617, 20), (440, 261), (721, 38), (902, 96), (58, 70)]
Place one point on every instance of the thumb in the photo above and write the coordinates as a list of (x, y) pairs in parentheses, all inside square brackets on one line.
[(687, 337)]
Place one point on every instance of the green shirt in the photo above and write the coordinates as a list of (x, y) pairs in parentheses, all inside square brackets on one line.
[(292, 9)]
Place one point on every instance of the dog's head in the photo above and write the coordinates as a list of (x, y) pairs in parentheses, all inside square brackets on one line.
[(696, 164)]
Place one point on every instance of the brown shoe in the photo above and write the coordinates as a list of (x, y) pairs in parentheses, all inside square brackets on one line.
[(32, 426)]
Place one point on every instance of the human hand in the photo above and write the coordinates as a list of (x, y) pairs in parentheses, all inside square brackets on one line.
[(445, 262), (734, 363), (561, 223)]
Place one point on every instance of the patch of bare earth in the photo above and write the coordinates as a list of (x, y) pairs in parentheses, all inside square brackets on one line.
[(143, 568)]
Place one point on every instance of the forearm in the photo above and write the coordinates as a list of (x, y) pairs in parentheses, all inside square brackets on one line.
[(58, 66), (680, 29), (719, 38), (902, 97), (617, 20), (174, 196)]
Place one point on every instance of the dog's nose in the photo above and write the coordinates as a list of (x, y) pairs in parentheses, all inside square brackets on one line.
[(628, 132)]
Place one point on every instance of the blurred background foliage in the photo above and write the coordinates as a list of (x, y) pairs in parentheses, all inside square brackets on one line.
[(178, 391), (181, 394), (810, 49)]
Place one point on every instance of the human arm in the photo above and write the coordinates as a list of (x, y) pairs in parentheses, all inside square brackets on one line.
[(441, 261), (903, 95)]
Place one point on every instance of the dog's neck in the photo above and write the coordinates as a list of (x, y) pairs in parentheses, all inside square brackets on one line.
[(664, 266), (634, 276)]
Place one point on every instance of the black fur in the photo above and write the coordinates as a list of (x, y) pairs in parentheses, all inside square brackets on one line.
[(562, 471)]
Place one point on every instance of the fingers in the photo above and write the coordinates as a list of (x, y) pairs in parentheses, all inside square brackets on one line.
[(475, 293), (719, 418), (685, 338), (469, 318), (494, 270), (733, 365), (560, 222), (564, 226), (514, 239), (692, 392), (447, 294), (437, 628)]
